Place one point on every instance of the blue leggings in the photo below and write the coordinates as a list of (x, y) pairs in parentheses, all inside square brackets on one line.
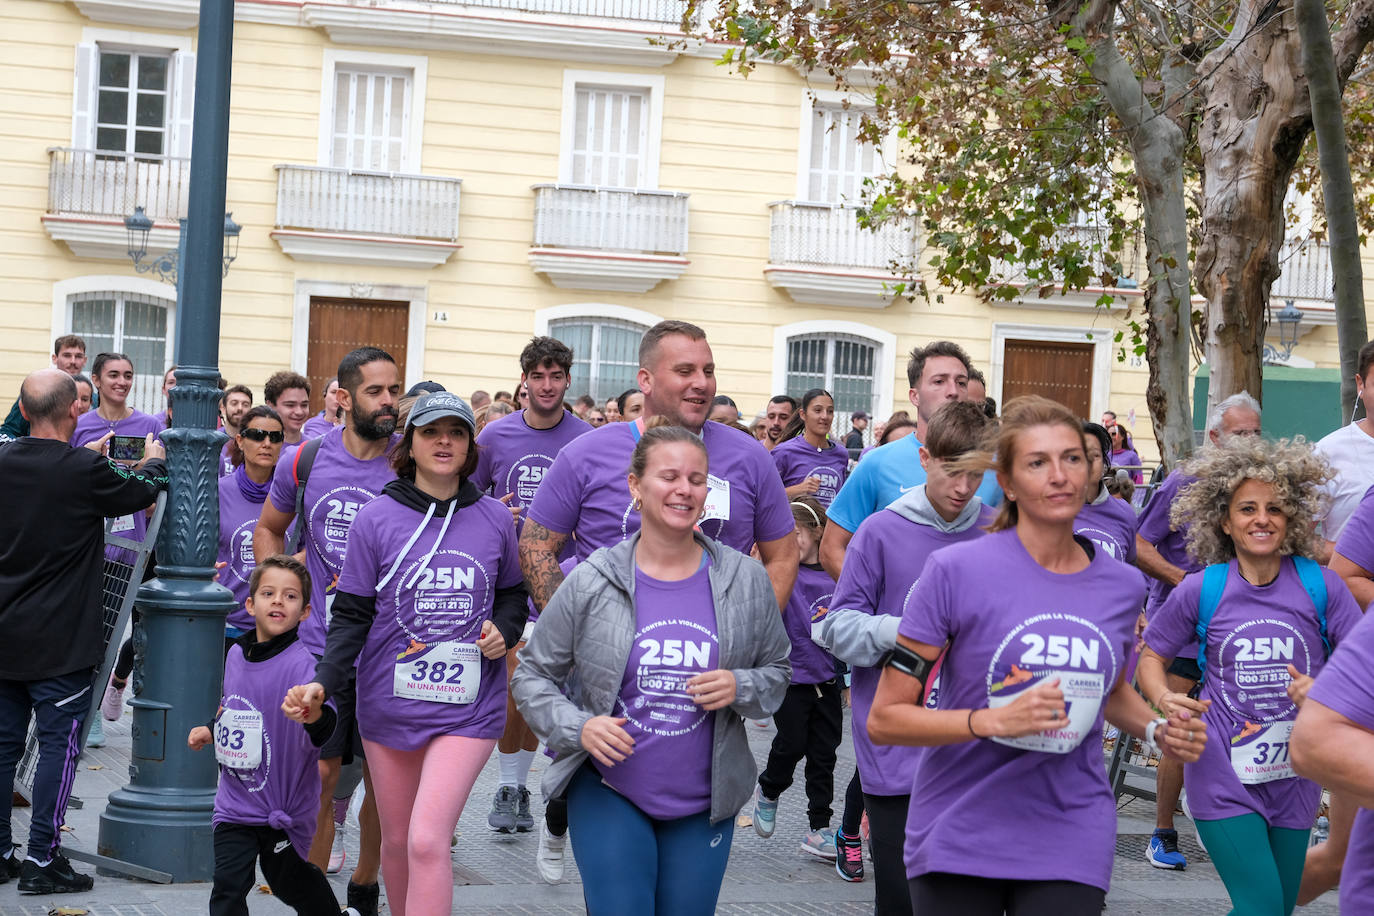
[(633, 863), (1260, 865)]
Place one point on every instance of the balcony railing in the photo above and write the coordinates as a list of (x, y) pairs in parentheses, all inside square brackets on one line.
[(108, 184), (1306, 272), (610, 219), (829, 235), (1100, 262), (367, 203), (667, 12)]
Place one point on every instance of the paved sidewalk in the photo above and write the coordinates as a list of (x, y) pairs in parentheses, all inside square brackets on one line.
[(496, 874)]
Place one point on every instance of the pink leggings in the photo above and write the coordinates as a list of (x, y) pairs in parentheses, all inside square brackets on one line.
[(415, 839)]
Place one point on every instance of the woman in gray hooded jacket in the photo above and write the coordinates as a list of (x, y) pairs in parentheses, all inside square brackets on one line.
[(674, 638)]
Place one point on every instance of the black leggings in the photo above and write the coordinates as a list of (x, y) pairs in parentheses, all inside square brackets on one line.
[(886, 839), (941, 892), (852, 817)]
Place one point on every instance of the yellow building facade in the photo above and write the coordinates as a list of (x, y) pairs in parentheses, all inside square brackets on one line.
[(448, 179)]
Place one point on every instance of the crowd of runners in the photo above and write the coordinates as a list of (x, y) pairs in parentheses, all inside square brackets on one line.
[(423, 579)]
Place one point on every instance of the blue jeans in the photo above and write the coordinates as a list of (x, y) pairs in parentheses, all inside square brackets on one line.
[(59, 705), (633, 863)]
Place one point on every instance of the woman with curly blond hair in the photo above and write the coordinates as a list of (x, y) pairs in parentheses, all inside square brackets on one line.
[(1267, 616)]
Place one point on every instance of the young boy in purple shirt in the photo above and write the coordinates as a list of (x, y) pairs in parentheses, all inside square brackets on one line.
[(269, 785)]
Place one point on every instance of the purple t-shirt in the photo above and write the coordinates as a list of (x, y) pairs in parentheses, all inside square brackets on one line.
[(585, 491), (1110, 525), (420, 674), (882, 564), (514, 456), (1036, 808), (1172, 545), (796, 459), (90, 426), (1128, 458), (1344, 686), (316, 426), (1356, 542), (1255, 633), (810, 602), (286, 782), (238, 517), (337, 487), (669, 773)]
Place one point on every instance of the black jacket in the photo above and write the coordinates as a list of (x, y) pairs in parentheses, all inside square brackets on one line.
[(52, 551)]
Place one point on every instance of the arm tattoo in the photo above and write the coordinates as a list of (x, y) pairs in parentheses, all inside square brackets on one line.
[(539, 549)]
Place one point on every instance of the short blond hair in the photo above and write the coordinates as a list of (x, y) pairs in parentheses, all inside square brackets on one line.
[(1296, 472)]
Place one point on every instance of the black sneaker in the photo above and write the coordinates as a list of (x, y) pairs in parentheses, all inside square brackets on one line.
[(849, 857), (57, 877), (524, 821), (10, 866), (364, 897)]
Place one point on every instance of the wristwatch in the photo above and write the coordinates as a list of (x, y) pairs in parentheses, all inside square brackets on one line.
[(1150, 730)]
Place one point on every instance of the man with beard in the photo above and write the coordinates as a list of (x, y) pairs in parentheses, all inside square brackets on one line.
[(347, 469), (237, 401), (780, 410)]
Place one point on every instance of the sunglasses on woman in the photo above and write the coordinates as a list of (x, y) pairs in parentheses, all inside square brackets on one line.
[(259, 435)]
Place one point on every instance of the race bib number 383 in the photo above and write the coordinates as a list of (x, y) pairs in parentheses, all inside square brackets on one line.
[(447, 672), (238, 739)]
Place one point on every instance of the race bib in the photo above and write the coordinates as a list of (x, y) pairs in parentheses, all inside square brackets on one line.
[(1082, 700), (123, 523), (238, 739), (447, 672), (717, 499), (1260, 753)]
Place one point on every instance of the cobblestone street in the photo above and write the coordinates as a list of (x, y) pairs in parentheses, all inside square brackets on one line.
[(496, 874)]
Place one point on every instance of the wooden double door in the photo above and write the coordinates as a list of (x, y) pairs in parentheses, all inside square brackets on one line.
[(1059, 370), (340, 325)]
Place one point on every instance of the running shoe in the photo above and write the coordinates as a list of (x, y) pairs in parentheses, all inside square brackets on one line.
[(524, 821), (96, 736), (849, 857), (503, 808), (1163, 851), (765, 814), (549, 859), (819, 843), (10, 867), (112, 704), (363, 898), (57, 877), (337, 853)]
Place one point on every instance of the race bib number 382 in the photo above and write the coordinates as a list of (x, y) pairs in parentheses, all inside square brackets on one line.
[(447, 672)]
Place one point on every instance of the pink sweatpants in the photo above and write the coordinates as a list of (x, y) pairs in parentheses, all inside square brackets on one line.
[(415, 838)]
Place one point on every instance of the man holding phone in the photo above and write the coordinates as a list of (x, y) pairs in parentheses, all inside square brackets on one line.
[(51, 542)]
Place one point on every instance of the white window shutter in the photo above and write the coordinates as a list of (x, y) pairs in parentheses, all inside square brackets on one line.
[(182, 103), (83, 95)]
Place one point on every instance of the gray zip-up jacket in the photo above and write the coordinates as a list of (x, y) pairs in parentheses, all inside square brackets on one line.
[(590, 624)]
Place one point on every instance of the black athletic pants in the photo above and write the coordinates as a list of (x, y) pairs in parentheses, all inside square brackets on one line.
[(809, 725), (294, 881), (853, 816), (939, 892), (886, 839)]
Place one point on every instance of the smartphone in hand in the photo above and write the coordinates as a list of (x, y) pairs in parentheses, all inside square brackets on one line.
[(126, 448)]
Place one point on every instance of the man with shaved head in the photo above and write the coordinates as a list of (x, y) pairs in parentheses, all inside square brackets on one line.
[(51, 549)]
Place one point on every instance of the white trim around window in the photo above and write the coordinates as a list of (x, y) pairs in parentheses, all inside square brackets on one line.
[(123, 39), (884, 357), (887, 150), (651, 84), (63, 290), (590, 310), (417, 65), (417, 296), (1102, 357)]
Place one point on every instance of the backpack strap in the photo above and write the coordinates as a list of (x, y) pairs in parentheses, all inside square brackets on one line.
[(1314, 583), (301, 463), (1213, 584)]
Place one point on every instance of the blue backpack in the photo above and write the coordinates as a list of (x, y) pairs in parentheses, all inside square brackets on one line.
[(1214, 581)]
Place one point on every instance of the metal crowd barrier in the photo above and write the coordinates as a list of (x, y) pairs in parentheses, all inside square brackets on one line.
[(118, 590)]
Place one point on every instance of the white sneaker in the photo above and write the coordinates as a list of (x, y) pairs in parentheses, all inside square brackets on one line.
[(337, 854), (549, 859)]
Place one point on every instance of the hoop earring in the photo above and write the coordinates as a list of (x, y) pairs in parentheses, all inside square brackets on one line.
[(637, 504)]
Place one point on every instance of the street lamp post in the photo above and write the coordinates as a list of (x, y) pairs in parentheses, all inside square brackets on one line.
[(1289, 319), (161, 819)]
